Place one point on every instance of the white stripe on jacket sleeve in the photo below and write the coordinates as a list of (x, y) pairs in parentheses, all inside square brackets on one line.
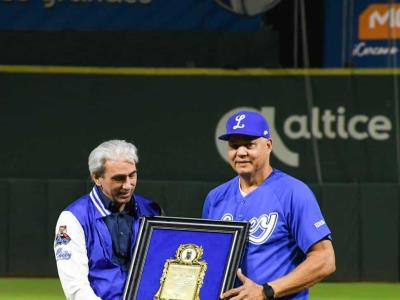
[(72, 260)]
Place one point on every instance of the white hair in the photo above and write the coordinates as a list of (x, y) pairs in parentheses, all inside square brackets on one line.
[(114, 150)]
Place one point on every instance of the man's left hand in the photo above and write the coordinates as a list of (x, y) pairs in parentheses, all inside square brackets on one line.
[(248, 291)]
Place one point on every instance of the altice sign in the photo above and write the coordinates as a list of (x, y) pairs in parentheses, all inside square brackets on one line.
[(322, 124)]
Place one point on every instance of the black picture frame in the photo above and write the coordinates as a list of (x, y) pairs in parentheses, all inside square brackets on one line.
[(158, 237)]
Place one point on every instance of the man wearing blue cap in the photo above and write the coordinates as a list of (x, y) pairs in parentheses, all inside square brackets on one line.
[(289, 247)]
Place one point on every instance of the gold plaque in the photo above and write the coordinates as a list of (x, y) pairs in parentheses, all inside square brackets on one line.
[(183, 277)]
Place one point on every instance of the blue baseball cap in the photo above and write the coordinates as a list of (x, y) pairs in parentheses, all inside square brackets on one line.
[(248, 123)]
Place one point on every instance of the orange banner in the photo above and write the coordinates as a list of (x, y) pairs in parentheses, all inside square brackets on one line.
[(379, 22)]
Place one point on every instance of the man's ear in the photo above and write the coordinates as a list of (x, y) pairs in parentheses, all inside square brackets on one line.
[(269, 144), (96, 179)]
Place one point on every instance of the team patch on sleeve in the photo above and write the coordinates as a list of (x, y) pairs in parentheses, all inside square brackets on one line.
[(62, 238), (319, 223), (62, 254)]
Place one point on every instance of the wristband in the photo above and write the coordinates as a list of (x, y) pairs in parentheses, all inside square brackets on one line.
[(269, 292)]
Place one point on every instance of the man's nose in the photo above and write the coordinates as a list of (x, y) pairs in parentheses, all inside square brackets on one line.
[(127, 183), (241, 150)]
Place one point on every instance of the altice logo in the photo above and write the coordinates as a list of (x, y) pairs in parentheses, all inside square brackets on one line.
[(324, 124)]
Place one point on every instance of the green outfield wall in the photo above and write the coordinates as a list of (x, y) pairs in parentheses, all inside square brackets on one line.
[(364, 219), (52, 117)]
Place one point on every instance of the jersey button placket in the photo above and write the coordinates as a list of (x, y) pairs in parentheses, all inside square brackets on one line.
[(240, 210)]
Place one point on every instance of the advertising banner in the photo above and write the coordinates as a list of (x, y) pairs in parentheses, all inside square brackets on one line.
[(140, 15), (55, 120), (363, 33)]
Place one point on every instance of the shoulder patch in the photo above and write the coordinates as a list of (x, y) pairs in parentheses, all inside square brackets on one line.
[(62, 238), (319, 223)]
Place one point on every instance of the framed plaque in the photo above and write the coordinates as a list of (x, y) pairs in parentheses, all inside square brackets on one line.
[(185, 259)]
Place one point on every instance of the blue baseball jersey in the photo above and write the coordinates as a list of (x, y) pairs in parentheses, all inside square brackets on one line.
[(285, 221)]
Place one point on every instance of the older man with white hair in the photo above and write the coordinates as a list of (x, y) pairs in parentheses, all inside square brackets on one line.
[(95, 234)]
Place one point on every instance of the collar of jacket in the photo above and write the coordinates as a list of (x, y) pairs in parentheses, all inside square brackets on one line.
[(100, 210)]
